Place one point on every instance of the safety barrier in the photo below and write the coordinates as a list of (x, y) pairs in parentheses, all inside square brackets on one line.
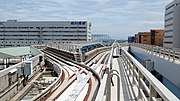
[(104, 93), (143, 82), (171, 54), (42, 95), (12, 77), (110, 75)]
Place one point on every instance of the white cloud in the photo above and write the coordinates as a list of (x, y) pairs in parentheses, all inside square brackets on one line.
[(101, 2), (107, 16), (151, 23)]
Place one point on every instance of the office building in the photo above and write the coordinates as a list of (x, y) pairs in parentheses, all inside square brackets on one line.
[(100, 37), (131, 39), (143, 38), (172, 25), (23, 33), (157, 37)]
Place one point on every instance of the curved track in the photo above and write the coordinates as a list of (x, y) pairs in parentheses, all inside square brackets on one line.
[(93, 80), (76, 81)]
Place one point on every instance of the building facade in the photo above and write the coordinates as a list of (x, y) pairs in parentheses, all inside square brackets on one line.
[(100, 37), (143, 38), (136, 40), (172, 25), (154, 37), (131, 39), (157, 37), (23, 33)]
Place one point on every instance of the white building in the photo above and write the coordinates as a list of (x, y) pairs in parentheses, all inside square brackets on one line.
[(172, 25), (23, 33)]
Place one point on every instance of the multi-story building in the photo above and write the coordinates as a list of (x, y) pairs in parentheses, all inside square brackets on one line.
[(157, 37), (100, 37), (136, 40), (23, 33), (172, 25), (131, 39), (143, 38)]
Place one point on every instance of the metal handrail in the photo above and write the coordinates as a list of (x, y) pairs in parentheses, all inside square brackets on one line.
[(171, 53), (146, 83), (110, 75), (50, 87), (105, 88)]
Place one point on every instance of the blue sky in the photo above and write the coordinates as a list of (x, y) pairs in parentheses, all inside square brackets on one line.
[(118, 18)]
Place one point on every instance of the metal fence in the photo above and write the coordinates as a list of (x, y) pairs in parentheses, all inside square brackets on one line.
[(143, 83), (170, 54)]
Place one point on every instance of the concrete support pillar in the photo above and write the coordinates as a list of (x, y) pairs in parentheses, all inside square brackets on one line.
[(6, 62), (173, 55), (164, 53), (159, 50), (169, 52), (179, 55)]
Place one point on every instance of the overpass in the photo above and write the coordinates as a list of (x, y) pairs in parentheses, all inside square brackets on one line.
[(64, 72)]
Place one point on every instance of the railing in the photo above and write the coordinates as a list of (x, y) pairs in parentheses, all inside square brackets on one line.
[(170, 54), (143, 82), (11, 77), (41, 96), (65, 47), (110, 75), (104, 93)]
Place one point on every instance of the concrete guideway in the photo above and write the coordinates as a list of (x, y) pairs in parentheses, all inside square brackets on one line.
[(125, 88)]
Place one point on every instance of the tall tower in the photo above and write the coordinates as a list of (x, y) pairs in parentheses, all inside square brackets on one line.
[(172, 25)]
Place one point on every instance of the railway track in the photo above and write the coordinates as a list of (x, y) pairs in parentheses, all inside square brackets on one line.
[(89, 77), (91, 85), (75, 81)]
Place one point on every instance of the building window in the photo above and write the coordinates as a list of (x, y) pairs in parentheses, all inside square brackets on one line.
[(168, 30), (168, 36), (83, 23), (145, 36), (72, 23), (168, 42), (168, 19), (169, 13), (169, 7), (144, 39), (168, 25)]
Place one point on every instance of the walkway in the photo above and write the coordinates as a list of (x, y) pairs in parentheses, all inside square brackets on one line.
[(125, 88)]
